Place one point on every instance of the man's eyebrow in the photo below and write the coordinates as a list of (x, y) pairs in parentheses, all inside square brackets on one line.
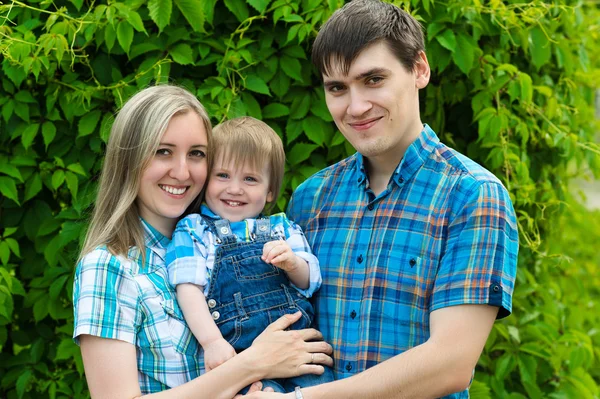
[(371, 72)]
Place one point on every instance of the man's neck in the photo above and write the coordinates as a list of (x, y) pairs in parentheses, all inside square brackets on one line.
[(379, 172)]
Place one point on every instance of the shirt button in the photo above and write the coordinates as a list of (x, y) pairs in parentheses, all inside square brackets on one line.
[(263, 228), (401, 180), (348, 366), (412, 262), (216, 315), (353, 314), (212, 303), (360, 258), (370, 207)]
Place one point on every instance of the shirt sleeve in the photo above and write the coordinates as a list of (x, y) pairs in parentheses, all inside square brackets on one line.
[(480, 260), (105, 298), (187, 253), (297, 241)]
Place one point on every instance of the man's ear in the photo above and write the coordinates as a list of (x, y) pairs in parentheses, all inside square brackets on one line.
[(422, 71)]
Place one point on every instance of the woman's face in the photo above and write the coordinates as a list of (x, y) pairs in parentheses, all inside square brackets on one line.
[(176, 173)]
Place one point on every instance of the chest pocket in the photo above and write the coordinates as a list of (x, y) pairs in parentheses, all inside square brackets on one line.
[(181, 336), (250, 266)]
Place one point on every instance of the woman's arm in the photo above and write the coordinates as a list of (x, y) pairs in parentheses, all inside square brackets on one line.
[(111, 369)]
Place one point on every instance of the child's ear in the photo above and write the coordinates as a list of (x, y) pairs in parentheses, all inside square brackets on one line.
[(270, 197)]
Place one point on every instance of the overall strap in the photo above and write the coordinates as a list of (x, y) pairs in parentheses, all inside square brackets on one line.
[(262, 229), (222, 230)]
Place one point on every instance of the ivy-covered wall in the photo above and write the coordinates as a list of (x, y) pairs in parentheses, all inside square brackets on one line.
[(512, 87)]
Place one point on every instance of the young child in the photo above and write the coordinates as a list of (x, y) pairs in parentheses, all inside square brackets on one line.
[(236, 271)]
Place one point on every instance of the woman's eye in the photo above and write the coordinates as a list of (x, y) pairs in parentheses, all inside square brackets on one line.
[(163, 151), (198, 153)]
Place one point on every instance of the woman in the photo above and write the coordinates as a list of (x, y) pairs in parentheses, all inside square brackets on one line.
[(130, 328)]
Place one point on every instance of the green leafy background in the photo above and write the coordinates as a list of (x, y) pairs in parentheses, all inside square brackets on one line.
[(513, 87)]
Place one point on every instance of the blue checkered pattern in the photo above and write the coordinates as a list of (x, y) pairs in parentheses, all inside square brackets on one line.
[(191, 253), (443, 233), (123, 299)]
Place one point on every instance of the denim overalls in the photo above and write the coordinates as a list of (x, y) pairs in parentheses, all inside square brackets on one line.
[(246, 294)]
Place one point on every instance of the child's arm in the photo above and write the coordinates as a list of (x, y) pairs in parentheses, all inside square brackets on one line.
[(198, 317), (280, 254)]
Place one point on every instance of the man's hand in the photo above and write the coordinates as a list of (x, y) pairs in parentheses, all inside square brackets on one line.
[(216, 353)]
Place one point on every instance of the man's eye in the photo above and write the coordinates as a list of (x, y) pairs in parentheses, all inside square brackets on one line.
[(335, 88), (375, 80)]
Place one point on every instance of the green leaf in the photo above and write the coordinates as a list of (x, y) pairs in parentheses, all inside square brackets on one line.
[(4, 253), (257, 85), (8, 188), (193, 11), (29, 134), (526, 87), (259, 5), (182, 54), (11, 171), (14, 246), (238, 8), (464, 55), (317, 130), (252, 106), (87, 124), (33, 186), (40, 309), (76, 167), (447, 40), (433, 29), (105, 126), (540, 48), (300, 106), (160, 12), (25, 97), (77, 3), (7, 110), (110, 35), (22, 111), (291, 67), (275, 110), (136, 21), (48, 132), (57, 286), (72, 183), (58, 178), (300, 152), (125, 35), (6, 276), (22, 382), (280, 84)]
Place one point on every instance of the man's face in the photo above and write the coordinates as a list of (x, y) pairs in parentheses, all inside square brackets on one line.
[(376, 105)]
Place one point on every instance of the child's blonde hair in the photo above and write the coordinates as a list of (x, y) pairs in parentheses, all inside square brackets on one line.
[(248, 141)]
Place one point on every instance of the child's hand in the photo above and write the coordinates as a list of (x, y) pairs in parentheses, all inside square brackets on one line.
[(280, 254), (216, 353)]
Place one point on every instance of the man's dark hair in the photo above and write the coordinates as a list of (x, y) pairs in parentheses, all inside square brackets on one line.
[(361, 23)]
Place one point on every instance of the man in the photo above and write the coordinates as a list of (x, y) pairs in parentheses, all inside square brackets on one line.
[(418, 244)]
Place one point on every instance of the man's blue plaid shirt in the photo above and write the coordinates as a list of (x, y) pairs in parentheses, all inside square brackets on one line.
[(443, 233)]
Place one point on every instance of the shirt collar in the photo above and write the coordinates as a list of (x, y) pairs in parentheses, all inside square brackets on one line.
[(206, 211), (413, 158), (155, 240)]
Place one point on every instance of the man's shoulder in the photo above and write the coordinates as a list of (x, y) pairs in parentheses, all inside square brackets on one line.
[(464, 168), (329, 175)]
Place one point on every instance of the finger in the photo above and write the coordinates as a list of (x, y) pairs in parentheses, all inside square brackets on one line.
[(310, 334), (284, 322), (321, 358), (311, 369), (274, 251), (319, 347), (257, 386), (268, 389)]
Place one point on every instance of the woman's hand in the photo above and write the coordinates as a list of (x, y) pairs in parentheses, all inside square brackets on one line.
[(282, 354)]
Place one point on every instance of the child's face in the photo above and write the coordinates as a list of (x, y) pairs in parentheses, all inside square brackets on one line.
[(237, 192)]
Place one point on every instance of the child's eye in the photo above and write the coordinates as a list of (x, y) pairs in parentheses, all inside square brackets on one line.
[(222, 175), (250, 179), (163, 151), (198, 153)]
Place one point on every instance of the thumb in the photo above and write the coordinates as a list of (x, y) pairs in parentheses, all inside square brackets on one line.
[(284, 322)]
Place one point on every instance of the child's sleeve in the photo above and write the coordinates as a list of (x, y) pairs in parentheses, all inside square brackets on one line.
[(297, 241), (187, 253)]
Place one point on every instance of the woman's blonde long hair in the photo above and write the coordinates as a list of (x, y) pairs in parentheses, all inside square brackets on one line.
[(134, 139)]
